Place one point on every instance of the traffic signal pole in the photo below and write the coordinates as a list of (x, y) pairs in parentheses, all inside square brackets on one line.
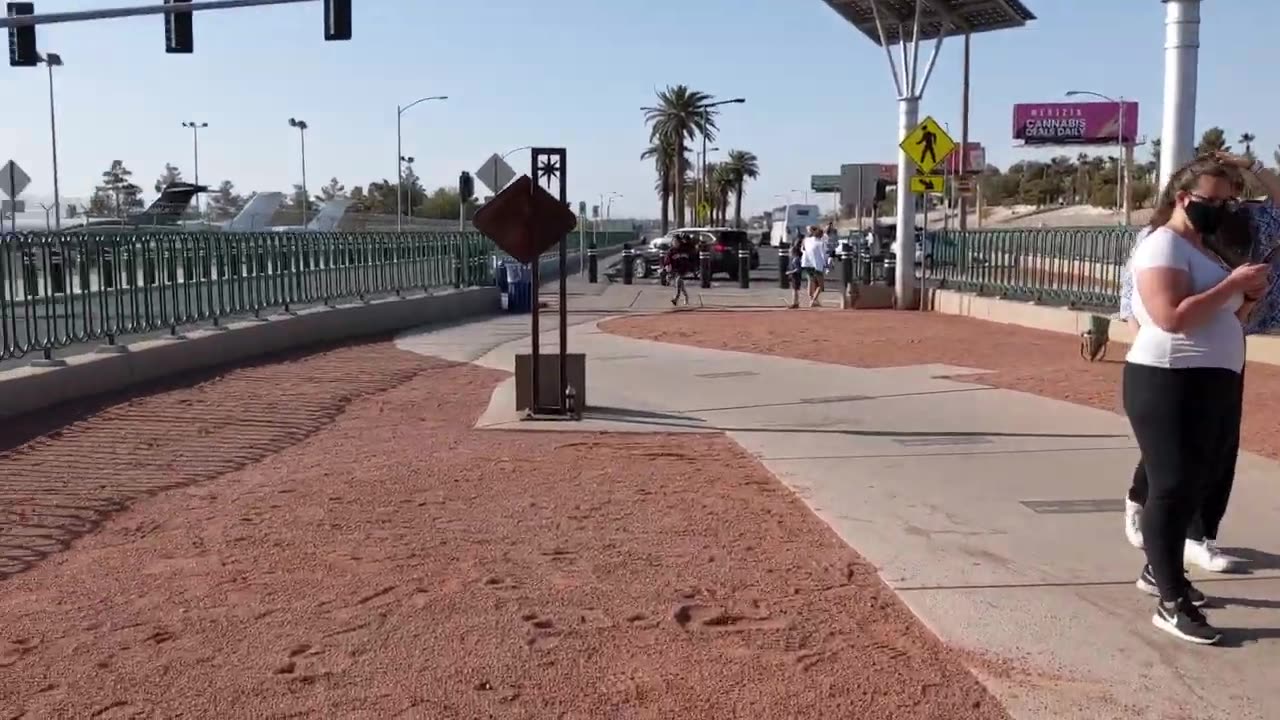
[(119, 12)]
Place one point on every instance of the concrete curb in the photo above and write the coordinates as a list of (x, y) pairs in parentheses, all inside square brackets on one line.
[(28, 389)]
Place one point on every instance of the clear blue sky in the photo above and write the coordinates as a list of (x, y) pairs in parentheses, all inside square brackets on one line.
[(575, 73)]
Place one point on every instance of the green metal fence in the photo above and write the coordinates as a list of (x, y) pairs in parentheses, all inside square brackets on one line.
[(1069, 266), (61, 289)]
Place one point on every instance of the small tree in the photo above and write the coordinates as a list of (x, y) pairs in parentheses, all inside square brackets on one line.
[(225, 202), (170, 175)]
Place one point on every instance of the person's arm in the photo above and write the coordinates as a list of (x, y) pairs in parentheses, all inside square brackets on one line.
[(1162, 278), (1166, 296)]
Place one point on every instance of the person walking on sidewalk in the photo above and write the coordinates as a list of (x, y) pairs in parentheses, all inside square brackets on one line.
[(1181, 376), (813, 260), (681, 260), (1251, 232), (793, 272)]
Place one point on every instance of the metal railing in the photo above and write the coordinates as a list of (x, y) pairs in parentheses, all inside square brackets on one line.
[(59, 290), (1078, 267)]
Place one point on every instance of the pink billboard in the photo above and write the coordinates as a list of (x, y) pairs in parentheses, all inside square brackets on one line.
[(1074, 123)]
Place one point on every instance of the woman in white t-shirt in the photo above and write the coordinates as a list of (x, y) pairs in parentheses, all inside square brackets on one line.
[(1181, 375), (813, 260)]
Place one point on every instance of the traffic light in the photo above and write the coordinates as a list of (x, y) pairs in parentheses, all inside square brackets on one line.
[(177, 30), (337, 19), (22, 40), (466, 187)]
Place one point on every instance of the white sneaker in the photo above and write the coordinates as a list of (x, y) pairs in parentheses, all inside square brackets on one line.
[(1207, 555), (1133, 523)]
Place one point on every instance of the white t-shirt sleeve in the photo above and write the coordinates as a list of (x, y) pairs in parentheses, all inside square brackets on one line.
[(1161, 249)]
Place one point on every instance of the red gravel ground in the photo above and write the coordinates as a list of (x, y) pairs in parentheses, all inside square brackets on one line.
[(336, 541), (1033, 361)]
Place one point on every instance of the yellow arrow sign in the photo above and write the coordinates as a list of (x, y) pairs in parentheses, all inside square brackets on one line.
[(928, 145), (928, 184)]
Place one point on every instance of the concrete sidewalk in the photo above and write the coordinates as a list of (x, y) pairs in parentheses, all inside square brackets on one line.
[(996, 515)]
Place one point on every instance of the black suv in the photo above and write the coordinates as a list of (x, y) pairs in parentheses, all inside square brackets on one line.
[(723, 243)]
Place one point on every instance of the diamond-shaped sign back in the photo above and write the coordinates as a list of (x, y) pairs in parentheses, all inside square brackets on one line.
[(525, 220)]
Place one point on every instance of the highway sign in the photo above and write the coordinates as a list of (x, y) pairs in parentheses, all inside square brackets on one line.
[(928, 145), (928, 183), (824, 183), (495, 173), (13, 180)]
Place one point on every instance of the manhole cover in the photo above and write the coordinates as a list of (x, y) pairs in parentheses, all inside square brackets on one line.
[(721, 375), (1074, 507), (941, 441)]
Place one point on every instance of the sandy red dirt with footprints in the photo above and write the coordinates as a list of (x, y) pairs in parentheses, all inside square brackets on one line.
[(1033, 361), (328, 537)]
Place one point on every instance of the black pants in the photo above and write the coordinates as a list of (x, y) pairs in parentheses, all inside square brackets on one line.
[(1182, 420), (1208, 520)]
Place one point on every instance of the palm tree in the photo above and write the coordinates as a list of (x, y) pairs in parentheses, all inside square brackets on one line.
[(744, 166), (722, 183), (680, 115), (662, 152), (1246, 139)]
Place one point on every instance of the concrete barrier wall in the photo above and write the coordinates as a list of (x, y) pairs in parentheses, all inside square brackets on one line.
[(1260, 348), (27, 389)]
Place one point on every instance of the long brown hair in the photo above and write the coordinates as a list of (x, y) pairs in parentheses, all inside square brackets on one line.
[(1185, 179)]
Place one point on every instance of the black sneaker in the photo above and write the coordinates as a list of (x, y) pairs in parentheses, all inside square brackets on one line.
[(1185, 621), (1147, 584)]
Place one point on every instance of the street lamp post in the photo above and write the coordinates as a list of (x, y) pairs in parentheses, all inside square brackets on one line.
[(1122, 191), (52, 60), (400, 156), (195, 152), (302, 133), (702, 171)]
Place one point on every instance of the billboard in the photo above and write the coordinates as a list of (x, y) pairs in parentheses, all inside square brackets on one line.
[(1074, 123)]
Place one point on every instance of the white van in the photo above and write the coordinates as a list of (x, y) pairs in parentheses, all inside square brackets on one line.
[(790, 219)]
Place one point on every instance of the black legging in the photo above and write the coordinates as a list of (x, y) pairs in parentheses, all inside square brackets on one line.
[(1207, 522), (1182, 419)]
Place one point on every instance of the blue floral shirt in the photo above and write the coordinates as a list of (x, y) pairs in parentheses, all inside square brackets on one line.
[(1266, 224)]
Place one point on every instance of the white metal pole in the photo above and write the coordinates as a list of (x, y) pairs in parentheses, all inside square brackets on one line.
[(905, 275), (1181, 60)]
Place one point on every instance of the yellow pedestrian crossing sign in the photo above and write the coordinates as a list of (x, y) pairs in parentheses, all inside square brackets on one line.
[(927, 145), (928, 184)]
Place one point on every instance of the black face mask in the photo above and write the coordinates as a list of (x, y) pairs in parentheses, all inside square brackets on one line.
[(1205, 218)]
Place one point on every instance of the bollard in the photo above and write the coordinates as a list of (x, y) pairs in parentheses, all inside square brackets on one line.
[(704, 267), (744, 266), (847, 279), (108, 272), (30, 275), (784, 261), (627, 276), (83, 269), (592, 264), (865, 258), (57, 273)]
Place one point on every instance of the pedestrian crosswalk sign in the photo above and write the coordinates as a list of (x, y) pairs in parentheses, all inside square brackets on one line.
[(928, 145)]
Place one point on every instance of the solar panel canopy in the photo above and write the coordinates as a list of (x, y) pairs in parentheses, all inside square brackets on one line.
[(937, 17)]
